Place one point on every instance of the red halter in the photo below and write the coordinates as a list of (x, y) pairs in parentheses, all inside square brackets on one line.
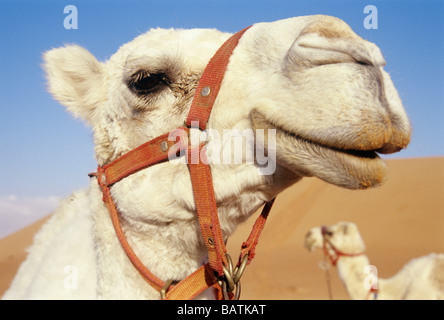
[(218, 272)]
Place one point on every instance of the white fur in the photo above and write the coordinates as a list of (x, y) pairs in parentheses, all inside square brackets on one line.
[(421, 278), (320, 102)]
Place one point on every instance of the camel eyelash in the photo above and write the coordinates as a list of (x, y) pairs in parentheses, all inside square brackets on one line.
[(143, 82)]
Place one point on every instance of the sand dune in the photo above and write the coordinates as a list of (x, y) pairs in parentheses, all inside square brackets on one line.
[(402, 220), (13, 252)]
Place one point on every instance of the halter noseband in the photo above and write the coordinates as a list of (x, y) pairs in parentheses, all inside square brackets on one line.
[(218, 272), (338, 253)]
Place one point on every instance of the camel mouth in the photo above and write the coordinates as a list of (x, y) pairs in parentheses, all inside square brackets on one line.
[(358, 154), (365, 154), (348, 168), (310, 241), (353, 169), (368, 154)]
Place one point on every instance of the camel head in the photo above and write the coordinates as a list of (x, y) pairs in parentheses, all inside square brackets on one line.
[(344, 236), (317, 91), (331, 102)]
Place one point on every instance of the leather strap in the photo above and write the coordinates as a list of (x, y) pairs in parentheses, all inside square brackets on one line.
[(146, 155), (249, 246), (206, 208), (203, 100), (210, 82), (193, 285)]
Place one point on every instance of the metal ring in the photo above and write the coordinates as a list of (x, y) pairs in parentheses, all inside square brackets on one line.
[(239, 271), (230, 263), (238, 291), (224, 291), (228, 279)]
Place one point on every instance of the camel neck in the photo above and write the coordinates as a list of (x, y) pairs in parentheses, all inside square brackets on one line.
[(351, 272), (165, 253)]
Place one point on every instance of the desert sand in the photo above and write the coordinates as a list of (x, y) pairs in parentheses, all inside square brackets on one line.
[(399, 221)]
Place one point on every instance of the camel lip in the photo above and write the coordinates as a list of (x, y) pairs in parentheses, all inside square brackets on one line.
[(352, 169), (364, 154), (349, 168), (260, 121)]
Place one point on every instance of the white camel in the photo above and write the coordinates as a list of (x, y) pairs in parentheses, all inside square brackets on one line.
[(421, 278), (315, 82)]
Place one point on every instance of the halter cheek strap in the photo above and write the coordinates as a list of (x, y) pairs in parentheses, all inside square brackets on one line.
[(219, 272)]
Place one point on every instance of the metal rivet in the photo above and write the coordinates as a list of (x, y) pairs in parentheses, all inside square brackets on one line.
[(164, 146), (205, 91), (210, 241)]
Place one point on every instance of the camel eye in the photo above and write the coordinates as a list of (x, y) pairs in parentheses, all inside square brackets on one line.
[(326, 232), (143, 82)]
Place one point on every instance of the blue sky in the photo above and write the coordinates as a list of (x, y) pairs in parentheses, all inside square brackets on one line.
[(46, 154)]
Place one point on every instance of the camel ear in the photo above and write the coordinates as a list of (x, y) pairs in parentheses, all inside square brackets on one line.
[(75, 79)]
